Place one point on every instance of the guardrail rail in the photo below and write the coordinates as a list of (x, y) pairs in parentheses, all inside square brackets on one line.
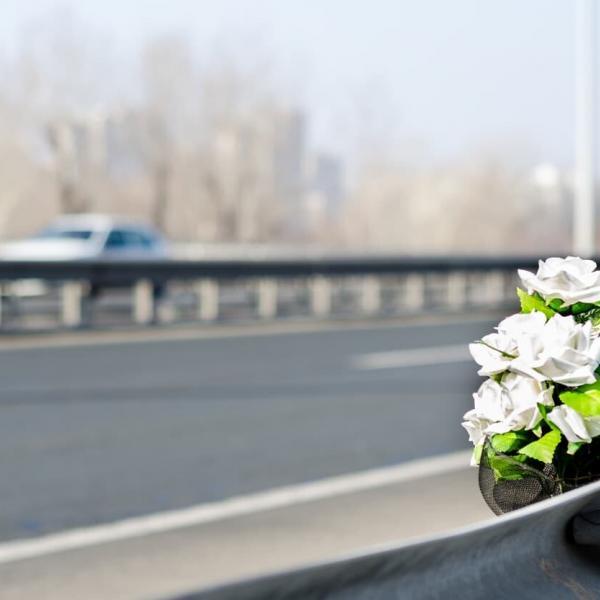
[(315, 286), (548, 551)]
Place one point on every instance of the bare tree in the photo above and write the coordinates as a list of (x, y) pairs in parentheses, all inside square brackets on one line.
[(480, 205), (58, 84), (242, 182), (201, 141), (209, 142), (170, 108)]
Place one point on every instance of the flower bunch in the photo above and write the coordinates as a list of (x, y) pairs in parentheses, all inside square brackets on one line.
[(540, 402)]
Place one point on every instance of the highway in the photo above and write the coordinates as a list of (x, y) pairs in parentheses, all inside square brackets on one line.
[(92, 432)]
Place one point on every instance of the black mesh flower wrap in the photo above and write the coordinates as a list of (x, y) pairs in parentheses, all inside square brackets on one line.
[(508, 482)]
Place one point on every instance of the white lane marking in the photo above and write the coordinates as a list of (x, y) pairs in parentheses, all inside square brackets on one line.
[(234, 507), (418, 357)]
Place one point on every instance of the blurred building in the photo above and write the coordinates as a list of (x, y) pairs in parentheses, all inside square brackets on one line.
[(326, 181), (289, 159), (243, 177), (107, 142), (268, 157)]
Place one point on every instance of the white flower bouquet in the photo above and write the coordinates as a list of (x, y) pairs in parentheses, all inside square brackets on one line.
[(536, 421)]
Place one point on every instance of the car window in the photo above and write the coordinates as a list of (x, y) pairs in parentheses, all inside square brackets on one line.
[(128, 238), (147, 239), (116, 239), (134, 238), (66, 234)]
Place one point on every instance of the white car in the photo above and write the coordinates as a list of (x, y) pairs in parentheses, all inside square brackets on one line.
[(90, 237)]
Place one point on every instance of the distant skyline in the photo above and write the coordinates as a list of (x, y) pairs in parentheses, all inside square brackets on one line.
[(451, 77)]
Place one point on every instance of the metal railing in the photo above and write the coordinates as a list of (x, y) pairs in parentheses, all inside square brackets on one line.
[(314, 286), (549, 550)]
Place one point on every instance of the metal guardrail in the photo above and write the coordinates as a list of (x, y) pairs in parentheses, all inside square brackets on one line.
[(267, 274), (165, 270), (549, 550)]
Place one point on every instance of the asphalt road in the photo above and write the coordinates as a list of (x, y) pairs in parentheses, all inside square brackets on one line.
[(95, 433)]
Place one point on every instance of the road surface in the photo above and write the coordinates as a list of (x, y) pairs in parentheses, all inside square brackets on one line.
[(92, 433)]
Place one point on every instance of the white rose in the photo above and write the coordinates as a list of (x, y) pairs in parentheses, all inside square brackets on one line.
[(571, 279), (492, 401), (592, 424), (493, 353), (571, 423), (475, 426), (507, 406), (563, 351), (491, 406), (522, 324), (525, 394)]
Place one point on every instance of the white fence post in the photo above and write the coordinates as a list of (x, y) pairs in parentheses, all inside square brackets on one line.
[(494, 287), (510, 283), (267, 298), (371, 295), (414, 291), (321, 296), (143, 302), (72, 303), (208, 296), (456, 291)]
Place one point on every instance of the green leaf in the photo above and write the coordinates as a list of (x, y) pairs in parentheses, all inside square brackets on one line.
[(477, 451), (589, 387), (531, 302), (585, 399), (510, 442), (557, 305), (507, 468), (544, 412), (572, 447), (592, 314), (543, 449), (581, 307), (543, 409)]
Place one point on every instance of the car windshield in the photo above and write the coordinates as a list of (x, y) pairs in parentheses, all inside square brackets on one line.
[(65, 234)]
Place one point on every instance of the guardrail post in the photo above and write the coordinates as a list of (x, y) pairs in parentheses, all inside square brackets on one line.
[(72, 303), (321, 296), (414, 288), (477, 292), (456, 291), (143, 302), (208, 299), (494, 287), (267, 298), (371, 295), (510, 283)]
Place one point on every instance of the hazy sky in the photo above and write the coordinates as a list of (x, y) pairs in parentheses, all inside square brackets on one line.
[(455, 75)]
